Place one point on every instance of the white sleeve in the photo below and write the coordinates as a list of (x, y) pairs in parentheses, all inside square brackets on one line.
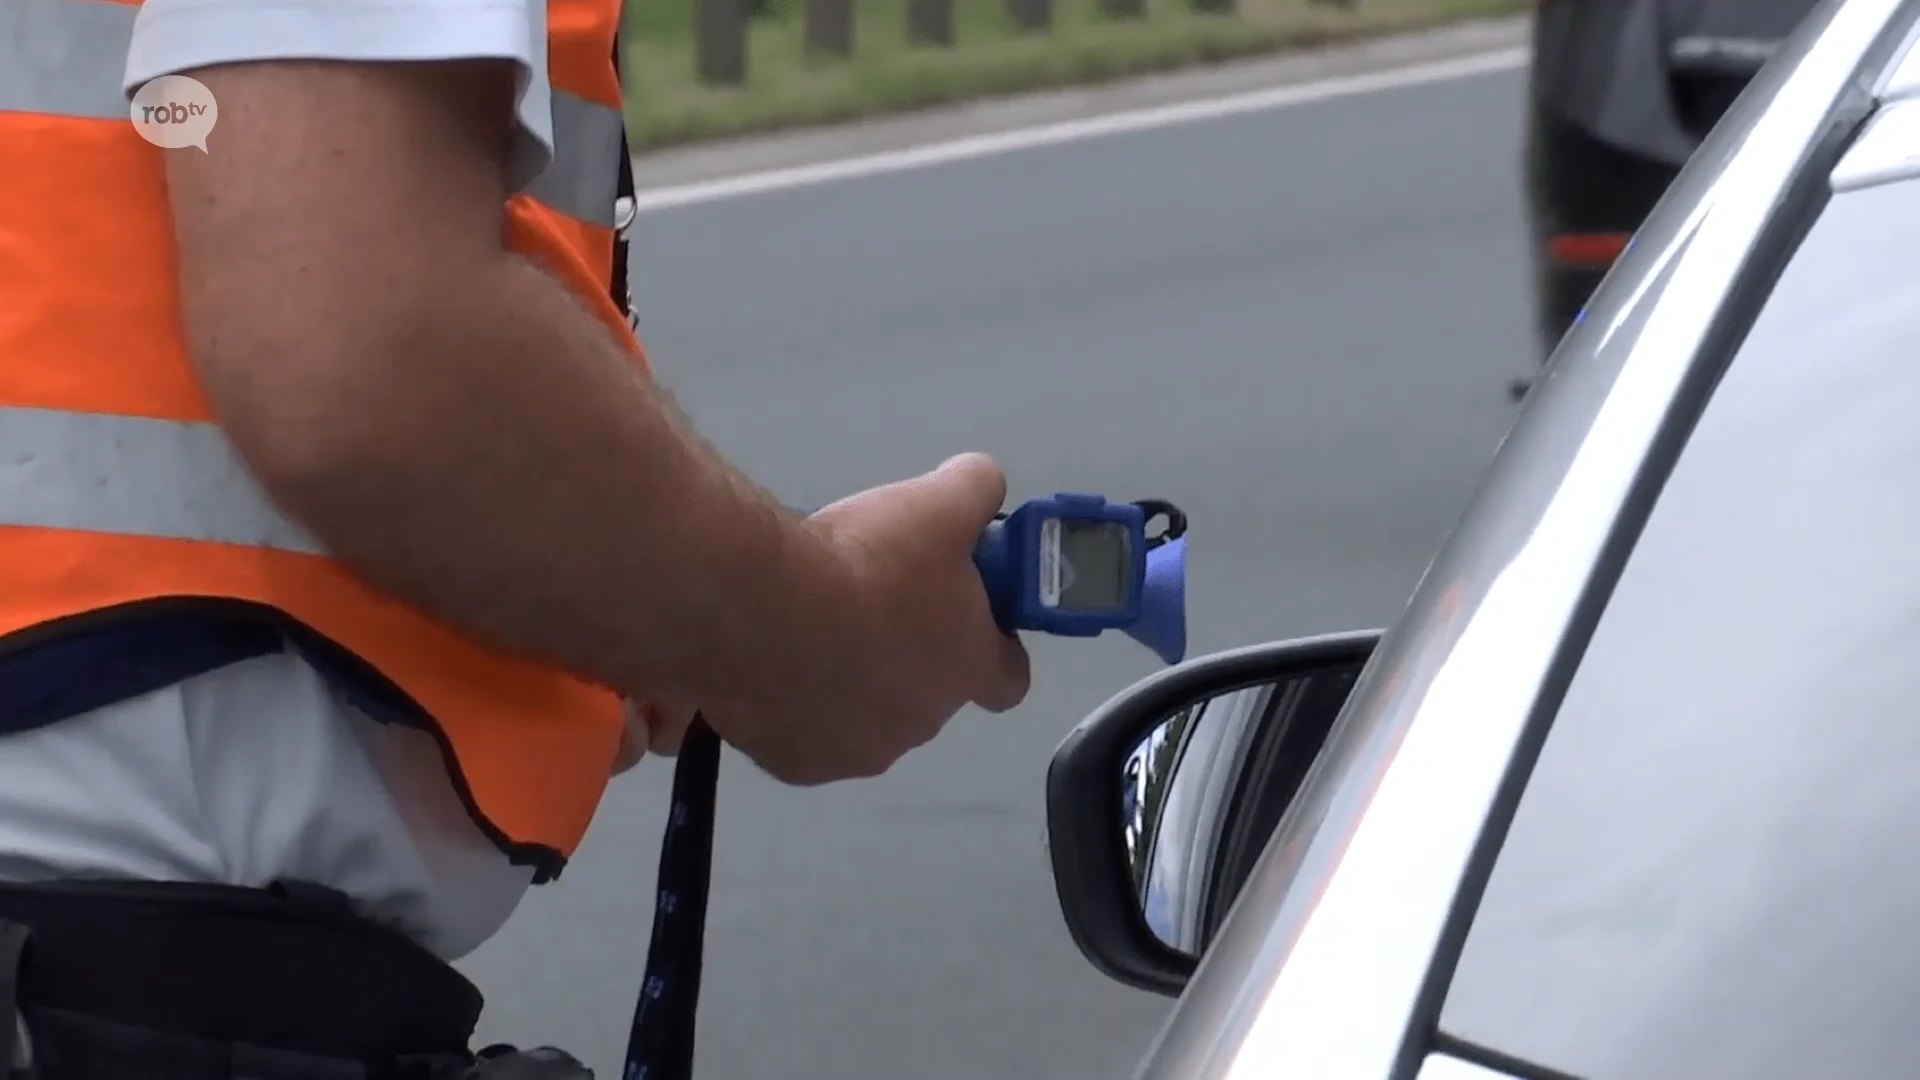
[(171, 36)]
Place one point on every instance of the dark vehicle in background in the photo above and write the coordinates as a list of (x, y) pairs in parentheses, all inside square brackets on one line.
[(1622, 93)]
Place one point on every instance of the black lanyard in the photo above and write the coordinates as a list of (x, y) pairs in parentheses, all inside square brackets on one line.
[(624, 190), (660, 1044)]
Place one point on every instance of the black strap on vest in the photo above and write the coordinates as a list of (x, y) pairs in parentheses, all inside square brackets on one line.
[(660, 1043), (623, 191)]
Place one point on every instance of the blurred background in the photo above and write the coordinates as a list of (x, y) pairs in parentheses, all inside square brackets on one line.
[(701, 68), (1298, 324)]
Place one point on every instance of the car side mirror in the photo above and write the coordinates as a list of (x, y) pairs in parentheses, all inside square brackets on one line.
[(1160, 802)]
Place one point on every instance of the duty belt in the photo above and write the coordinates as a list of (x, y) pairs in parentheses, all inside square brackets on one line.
[(122, 978)]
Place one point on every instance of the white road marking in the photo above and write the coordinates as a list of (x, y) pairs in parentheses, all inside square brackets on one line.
[(1093, 127)]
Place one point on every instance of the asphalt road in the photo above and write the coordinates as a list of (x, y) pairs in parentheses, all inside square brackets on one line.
[(1297, 325)]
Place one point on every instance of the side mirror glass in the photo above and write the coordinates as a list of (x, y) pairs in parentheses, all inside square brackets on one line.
[(1160, 803)]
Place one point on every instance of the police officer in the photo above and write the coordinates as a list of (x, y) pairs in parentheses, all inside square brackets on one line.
[(342, 529)]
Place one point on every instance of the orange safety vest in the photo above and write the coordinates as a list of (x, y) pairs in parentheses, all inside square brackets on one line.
[(119, 493)]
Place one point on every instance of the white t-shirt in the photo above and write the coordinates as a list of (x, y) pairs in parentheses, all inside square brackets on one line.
[(258, 771), (254, 773), (171, 36)]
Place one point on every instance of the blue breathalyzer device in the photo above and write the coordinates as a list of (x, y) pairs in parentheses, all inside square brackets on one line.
[(1070, 564), (1076, 565)]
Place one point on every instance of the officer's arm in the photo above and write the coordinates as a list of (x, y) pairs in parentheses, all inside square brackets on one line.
[(445, 416)]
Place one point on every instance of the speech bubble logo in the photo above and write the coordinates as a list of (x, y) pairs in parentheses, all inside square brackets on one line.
[(174, 111)]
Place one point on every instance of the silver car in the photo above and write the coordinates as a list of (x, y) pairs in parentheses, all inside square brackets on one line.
[(1631, 791)]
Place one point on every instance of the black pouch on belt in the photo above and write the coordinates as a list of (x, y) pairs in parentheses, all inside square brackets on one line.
[(145, 981)]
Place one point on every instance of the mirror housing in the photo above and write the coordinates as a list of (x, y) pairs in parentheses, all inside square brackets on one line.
[(1086, 843)]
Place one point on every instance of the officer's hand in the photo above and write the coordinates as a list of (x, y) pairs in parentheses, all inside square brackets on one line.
[(927, 645)]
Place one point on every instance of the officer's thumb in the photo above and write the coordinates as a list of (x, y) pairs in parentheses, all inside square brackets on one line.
[(965, 493)]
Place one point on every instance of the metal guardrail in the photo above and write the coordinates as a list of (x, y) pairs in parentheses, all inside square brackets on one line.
[(721, 27)]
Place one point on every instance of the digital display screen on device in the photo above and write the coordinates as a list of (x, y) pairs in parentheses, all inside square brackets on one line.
[(1089, 567)]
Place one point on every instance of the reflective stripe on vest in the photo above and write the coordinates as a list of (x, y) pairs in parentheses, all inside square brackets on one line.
[(132, 476), (119, 492), (76, 58)]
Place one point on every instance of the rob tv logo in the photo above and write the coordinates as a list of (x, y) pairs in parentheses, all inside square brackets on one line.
[(174, 111)]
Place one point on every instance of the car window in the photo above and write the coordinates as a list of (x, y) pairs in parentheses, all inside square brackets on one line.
[(1714, 870)]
